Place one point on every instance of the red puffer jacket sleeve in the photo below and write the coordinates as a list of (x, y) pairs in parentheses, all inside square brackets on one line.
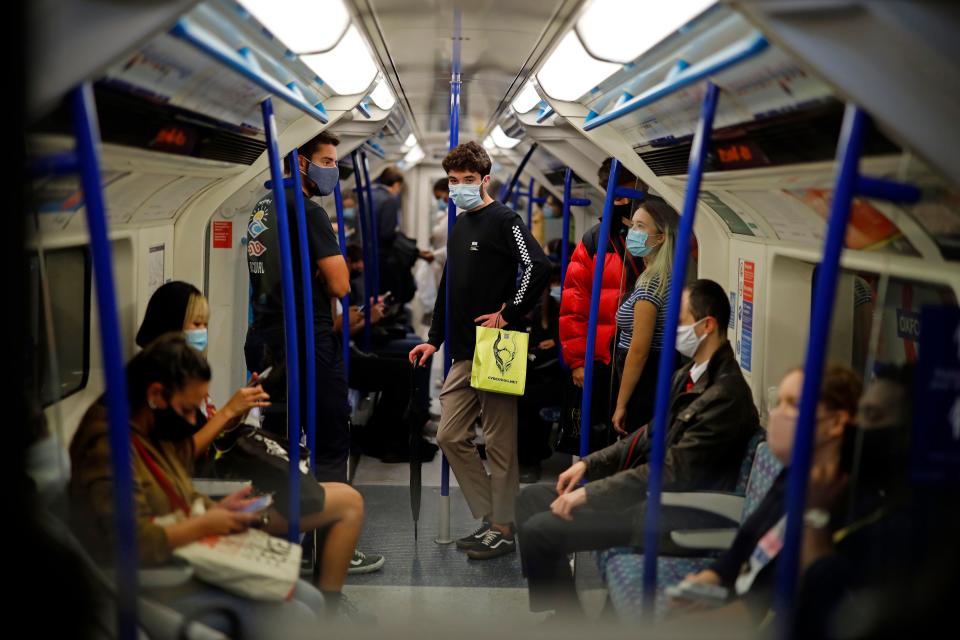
[(575, 307)]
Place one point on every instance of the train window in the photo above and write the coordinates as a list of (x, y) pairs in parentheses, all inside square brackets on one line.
[(65, 371), (881, 316)]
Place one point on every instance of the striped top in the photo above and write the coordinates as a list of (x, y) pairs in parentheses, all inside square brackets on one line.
[(649, 293)]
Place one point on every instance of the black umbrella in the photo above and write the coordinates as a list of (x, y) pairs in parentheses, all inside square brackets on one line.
[(412, 417), (420, 451)]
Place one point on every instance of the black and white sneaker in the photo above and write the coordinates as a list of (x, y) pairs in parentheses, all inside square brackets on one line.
[(364, 563), (493, 545), (473, 540)]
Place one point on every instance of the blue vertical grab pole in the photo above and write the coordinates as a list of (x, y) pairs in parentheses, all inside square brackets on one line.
[(374, 231), (443, 536), (530, 206), (565, 248), (289, 317), (698, 155), (825, 289), (345, 300), (87, 131), (365, 239), (309, 338), (601, 255)]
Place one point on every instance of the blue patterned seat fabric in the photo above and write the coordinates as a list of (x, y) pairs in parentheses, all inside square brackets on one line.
[(622, 567)]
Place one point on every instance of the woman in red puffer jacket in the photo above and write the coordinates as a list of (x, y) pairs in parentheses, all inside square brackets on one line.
[(575, 304)]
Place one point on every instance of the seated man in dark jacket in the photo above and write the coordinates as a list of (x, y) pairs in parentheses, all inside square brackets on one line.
[(711, 418)]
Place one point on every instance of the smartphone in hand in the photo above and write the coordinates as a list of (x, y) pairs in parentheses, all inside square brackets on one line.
[(262, 376), (259, 504)]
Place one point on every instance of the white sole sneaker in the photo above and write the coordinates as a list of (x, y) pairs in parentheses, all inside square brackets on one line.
[(365, 565)]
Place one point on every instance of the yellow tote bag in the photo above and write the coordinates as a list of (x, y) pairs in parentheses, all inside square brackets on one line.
[(500, 361)]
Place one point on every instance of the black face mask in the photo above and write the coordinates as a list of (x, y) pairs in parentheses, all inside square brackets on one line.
[(170, 425), (621, 212), (884, 453)]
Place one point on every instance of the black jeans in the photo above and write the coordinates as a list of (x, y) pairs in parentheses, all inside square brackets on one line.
[(265, 347), (545, 540), (641, 404), (544, 388)]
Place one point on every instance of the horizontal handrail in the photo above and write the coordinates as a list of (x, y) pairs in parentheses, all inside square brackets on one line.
[(216, 49), (720, 61)]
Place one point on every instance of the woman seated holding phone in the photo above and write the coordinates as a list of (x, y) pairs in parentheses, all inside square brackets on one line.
[(166, 384), (745, 573), (334, 507)]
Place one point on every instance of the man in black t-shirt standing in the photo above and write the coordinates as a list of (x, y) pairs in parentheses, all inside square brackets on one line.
[(488, 245), (265, 344)]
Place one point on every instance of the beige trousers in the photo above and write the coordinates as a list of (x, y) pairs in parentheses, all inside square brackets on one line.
[(490, 495)]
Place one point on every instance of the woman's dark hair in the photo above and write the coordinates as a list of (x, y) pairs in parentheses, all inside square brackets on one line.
[(166, 311), (469, 156), (442, 185), (168, 360), (840, 389)]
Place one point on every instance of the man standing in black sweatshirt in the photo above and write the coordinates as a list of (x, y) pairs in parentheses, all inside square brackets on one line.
[(488, 245)]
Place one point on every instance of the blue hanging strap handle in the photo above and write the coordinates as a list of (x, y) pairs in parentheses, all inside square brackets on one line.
[(849, 183), (698, 155), (366, 240), (345, 300), (289, 318), (86, 130), (599, 260), (568, 202), (309, 337)]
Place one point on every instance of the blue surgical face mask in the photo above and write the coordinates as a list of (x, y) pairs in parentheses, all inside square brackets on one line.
[(349, 213), (441, 204), (549, 211), (197, 338), (637, 243), (466, 196), (326, 178), (555, 292)]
